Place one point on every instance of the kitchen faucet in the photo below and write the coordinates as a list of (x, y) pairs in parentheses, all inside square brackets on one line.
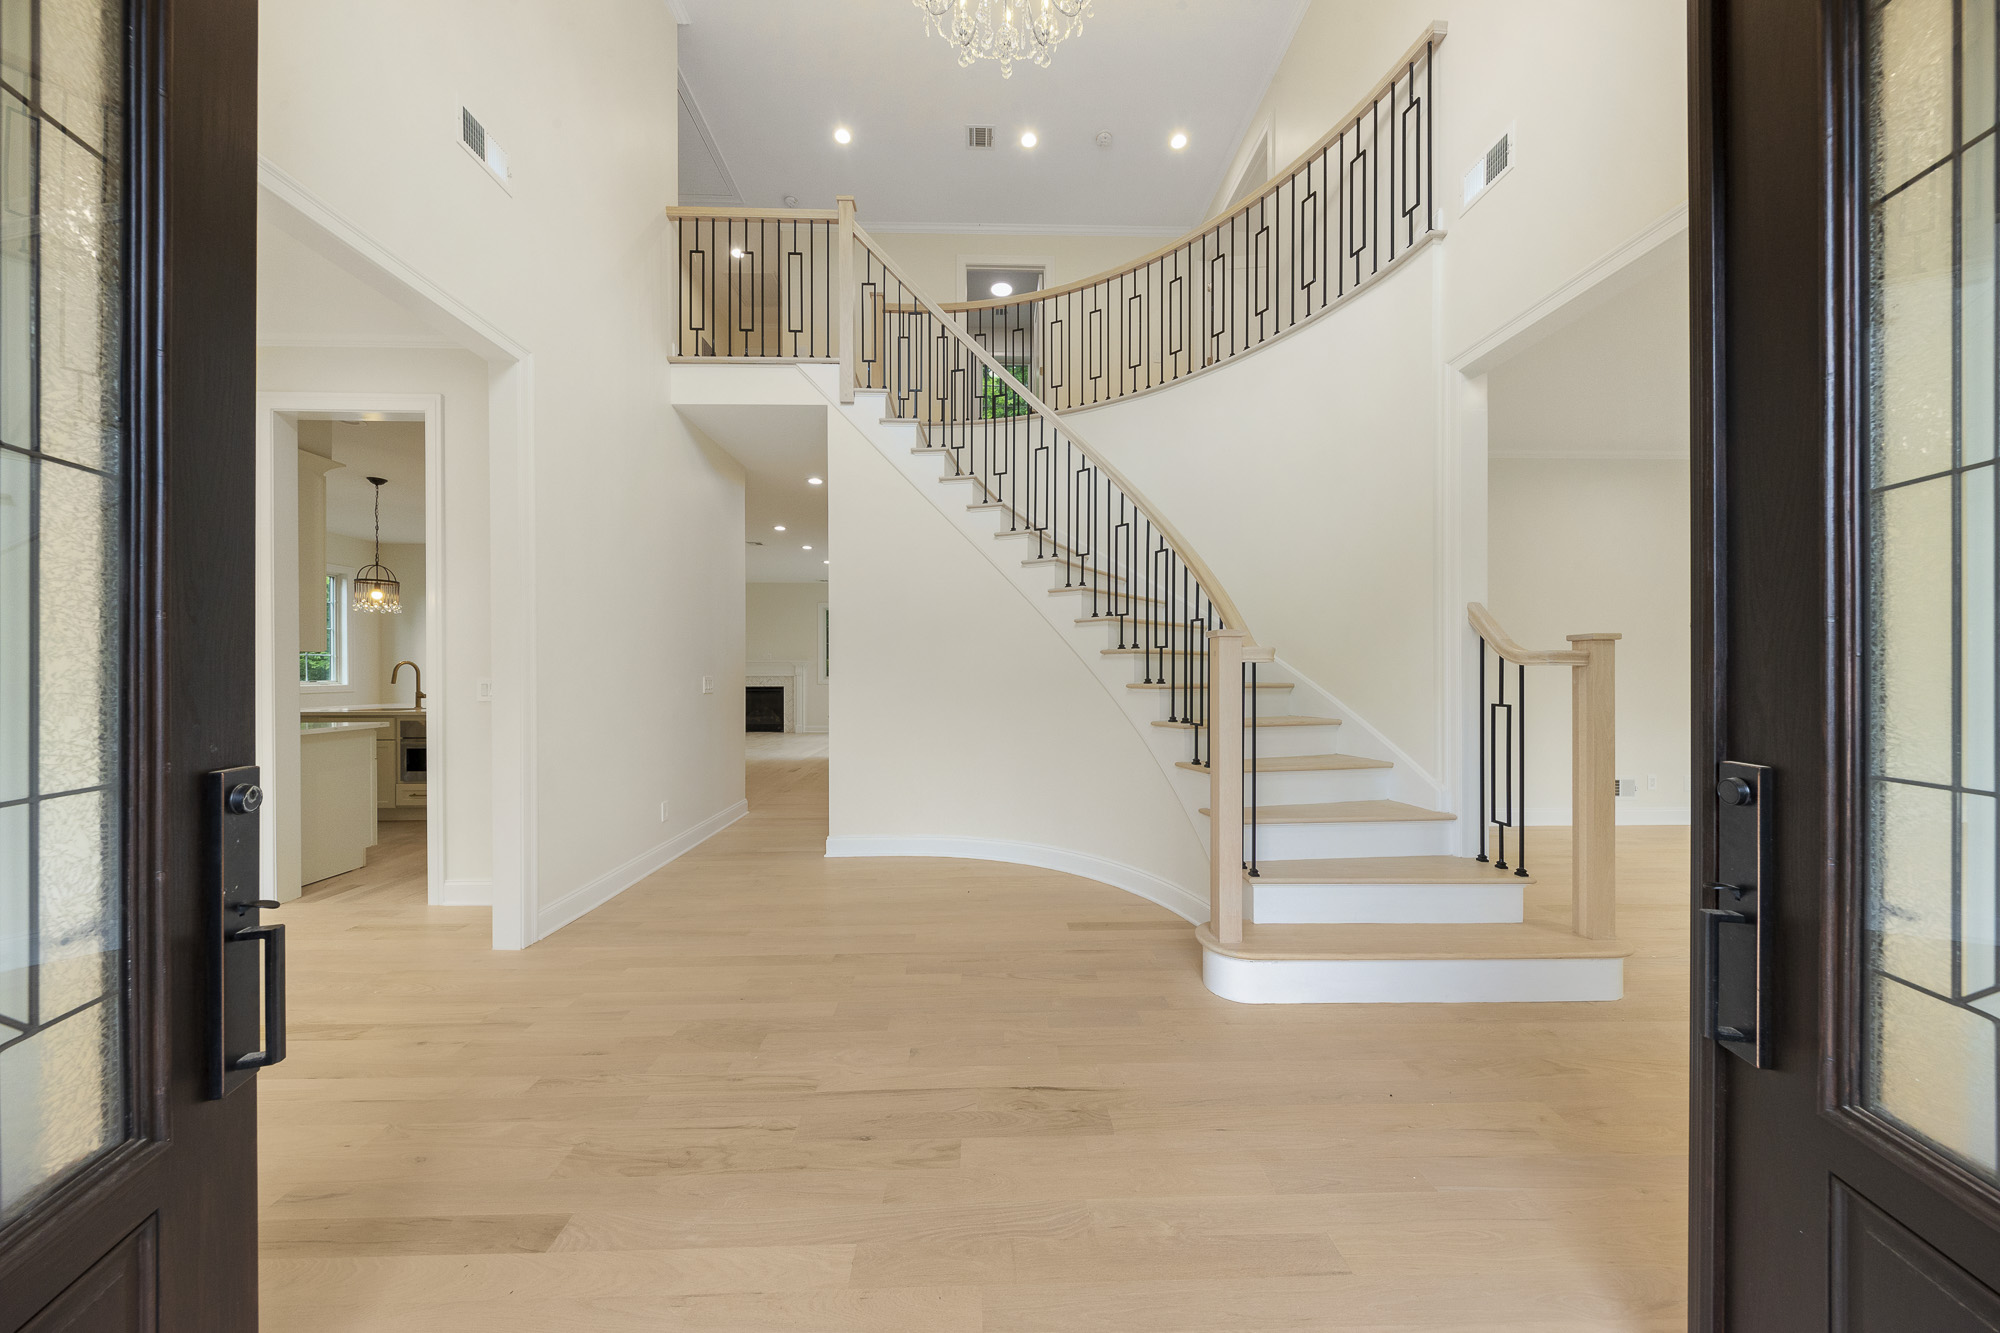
[(397, 670)]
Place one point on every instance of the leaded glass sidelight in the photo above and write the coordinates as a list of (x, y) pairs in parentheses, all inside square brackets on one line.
[(62, 525), (1931, 991)]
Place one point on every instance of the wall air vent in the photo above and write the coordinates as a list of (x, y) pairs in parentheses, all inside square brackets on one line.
[(1487, 171), (978, 136), (474, 139)]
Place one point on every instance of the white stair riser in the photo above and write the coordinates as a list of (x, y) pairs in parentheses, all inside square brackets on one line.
[(1276, 742), (1319, 787), (1413, 981), (1304, 842), (1408, 904)]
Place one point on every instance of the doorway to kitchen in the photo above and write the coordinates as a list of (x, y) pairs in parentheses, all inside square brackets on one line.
[(353, 677)]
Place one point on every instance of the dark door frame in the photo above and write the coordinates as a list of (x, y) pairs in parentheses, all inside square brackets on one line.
[(173, 1208), (1834, 236)]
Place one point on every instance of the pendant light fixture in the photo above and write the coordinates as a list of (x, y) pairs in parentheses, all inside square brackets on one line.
[(376, 588)]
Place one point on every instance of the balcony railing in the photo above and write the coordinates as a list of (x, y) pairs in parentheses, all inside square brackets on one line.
[(1342, 214)]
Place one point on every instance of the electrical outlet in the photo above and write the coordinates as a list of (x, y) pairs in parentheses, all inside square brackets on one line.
[(663, 812), (484, 693), (708, 685), (1628, 786), (1652, 782)]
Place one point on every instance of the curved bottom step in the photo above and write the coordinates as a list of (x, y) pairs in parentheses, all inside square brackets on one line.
[(1465, 964)]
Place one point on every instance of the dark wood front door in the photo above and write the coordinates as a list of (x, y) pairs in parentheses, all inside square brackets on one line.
[(127, 278), (1846, 1063)]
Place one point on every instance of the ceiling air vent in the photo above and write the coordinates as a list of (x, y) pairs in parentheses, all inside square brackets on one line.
[(978, 136), (1497, 162), (474, 139)]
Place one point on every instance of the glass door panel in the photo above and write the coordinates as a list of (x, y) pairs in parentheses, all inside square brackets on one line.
[(63, 1006), (1931, 1006)]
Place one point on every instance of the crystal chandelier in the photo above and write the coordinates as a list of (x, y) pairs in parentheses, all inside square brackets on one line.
[(1005, 30), (376, 587)]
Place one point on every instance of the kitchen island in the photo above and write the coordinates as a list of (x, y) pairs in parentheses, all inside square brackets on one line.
[(337, 795)]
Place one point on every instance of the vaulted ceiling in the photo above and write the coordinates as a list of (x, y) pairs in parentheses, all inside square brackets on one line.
[(765, 82)]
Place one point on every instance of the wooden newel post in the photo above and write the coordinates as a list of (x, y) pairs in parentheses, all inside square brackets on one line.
[(1594, 787), (1225, 785), (849, 331)]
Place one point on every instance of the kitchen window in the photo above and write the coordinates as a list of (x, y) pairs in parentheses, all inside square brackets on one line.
[(329, 668)]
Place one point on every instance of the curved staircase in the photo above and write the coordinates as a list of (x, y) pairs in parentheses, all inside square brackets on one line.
[(1337, 873)]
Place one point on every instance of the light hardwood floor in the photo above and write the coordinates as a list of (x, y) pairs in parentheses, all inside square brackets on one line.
[(768, 1091)]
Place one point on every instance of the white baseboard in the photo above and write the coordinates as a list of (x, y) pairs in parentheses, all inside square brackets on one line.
[(465, 893), (812, 731), (1637, 815), (611, 883), (1412, 980), (1182, 902)]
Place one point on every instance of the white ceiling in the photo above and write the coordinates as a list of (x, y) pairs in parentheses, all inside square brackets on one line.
[(772, 78), (779, 447), (1611, 383), (390, 449)]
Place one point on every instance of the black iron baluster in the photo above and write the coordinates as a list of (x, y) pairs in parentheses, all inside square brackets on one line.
[(1521, 767), (1251, 738)]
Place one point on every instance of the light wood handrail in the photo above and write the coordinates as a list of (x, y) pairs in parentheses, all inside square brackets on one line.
[(767, 214), (1487, 628), (1593, 742), (1231, 617), (1432, 37)]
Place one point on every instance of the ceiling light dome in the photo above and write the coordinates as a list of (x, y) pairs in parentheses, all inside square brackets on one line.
[(1003, 289), (1005, 30)]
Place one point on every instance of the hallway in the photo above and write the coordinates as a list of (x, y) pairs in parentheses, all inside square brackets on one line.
[(764, 1090)]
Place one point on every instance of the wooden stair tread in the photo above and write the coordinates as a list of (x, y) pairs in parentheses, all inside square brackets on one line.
[(1404, 942), (1159, 685), (1385, 870), (1349, 812), (1276, 720), (1302, 763), (1102, 592)]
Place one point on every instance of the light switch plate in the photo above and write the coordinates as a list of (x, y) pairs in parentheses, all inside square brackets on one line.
[(484, 693), (708, 685)]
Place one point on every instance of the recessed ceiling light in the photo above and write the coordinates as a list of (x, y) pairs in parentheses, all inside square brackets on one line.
[(840, 135), (736, 252), (814, 481), (826, 562), (1003, 289), (1178, 142), (1028, 139), (779, 528), (805, 548)]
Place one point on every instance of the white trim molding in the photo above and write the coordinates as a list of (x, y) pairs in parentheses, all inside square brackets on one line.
[(595, 893), (1412, 980), (465, 893), (1178, 899)]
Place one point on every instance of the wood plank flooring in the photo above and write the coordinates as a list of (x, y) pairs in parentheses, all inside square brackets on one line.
[(768, 1091)]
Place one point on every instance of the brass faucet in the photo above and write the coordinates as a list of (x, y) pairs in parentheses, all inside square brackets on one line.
[(397, 670)]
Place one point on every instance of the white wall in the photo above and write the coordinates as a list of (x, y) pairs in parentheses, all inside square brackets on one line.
[(781, 623), (1306, 474), (1595, 92), (932, 260), (1589, 544), (616, 547), (375, 643), (955, 694)]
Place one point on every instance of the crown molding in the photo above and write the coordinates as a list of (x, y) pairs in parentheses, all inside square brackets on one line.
[(1016, 229)]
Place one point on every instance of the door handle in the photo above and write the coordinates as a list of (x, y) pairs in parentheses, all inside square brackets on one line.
[(273, 940), (1735, 944), (246, 1025)]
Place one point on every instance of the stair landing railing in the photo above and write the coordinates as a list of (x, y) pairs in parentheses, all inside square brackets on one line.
[(1344, 212), (1502, 762)]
